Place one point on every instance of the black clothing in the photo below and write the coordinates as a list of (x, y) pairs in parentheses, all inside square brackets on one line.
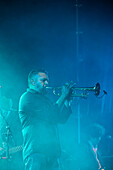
[(39, 119), (37, 161)]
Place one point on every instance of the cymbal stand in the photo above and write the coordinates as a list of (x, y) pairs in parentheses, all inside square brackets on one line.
[(7, 135)]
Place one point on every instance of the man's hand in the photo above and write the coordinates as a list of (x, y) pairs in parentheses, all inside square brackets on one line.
[(67, 91), (65, 95)]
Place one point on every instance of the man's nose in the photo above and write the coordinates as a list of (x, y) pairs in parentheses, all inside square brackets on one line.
[(46, 82)]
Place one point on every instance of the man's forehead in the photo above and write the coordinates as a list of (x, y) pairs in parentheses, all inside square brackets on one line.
[(44, 75)]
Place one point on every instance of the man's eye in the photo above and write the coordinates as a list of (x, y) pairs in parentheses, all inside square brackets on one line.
[(43, 80)]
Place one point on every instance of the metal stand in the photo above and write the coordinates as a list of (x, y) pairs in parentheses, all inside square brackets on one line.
[(77, 56), (7, 135), (77, 70)]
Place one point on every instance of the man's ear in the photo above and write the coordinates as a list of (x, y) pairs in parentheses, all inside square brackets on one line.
[(33, 82)]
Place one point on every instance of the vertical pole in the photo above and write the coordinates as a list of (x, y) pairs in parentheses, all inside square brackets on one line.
[(0, 113), (77, 70), (0, 96), (102, 106), (77, 40), (110, 104), (78, 123)]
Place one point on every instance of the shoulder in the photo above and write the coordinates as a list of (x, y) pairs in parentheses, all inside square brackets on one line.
[(24, 100), (25, 96), (29, 96)]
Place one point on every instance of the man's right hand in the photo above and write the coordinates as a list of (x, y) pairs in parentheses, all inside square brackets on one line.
[(65, 94), (67, 90)]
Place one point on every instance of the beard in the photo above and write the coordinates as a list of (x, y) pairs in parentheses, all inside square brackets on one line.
[(41, 89), (44, 91)]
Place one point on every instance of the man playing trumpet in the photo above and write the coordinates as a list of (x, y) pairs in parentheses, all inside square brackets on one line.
[(39, 119)]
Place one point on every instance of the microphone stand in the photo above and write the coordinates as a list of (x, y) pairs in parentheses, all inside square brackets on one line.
[(7, 135)]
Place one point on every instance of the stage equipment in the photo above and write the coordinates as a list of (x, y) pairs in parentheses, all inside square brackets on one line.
[(77, 91)]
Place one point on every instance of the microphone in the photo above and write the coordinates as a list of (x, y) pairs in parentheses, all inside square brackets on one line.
[(104, 92)]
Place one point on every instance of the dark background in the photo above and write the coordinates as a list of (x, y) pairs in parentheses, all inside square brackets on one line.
[(45, 34)]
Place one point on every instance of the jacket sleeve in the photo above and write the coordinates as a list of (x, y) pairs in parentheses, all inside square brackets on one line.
[(63, 114)]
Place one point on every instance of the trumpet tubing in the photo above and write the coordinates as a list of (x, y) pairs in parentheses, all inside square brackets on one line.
[(84, 90)]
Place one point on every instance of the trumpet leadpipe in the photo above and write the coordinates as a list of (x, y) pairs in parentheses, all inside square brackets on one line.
[(96, 89)]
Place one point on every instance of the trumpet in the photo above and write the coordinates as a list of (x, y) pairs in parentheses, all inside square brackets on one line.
[(83, 91)]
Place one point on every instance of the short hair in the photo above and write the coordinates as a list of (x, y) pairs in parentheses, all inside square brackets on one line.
[(33, 73)]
